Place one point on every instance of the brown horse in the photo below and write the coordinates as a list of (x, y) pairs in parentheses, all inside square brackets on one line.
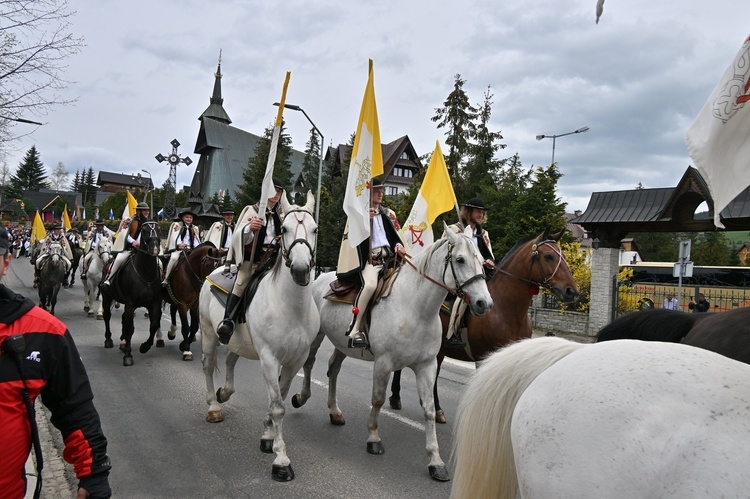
[(533, 263), (184, 287)]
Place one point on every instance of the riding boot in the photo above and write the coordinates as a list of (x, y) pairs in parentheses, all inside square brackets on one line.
[(226, 326), (358, 340), (455, 341)]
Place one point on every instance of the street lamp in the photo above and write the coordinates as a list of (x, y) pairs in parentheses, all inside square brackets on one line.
[(151, 191), (320, 165), (554, 137)]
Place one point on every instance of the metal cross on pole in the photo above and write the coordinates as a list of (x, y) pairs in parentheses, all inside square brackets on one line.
[(170, 196)]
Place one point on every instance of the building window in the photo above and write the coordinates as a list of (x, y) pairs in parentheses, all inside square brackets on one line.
[(404, 155), (391, 191)]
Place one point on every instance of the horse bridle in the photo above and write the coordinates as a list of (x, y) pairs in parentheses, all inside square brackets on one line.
[(545, 282), (298, 240), (101, 253), (449, 262)]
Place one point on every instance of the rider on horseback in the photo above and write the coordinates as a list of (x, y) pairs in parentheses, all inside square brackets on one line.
[(132, 239), (372, 256), (55, 237), (268, 236), (473, 215), (220, 233), (183, 235), (93, 239)]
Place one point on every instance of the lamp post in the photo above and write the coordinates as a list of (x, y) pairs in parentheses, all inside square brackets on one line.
[(554, 138), (151, 191), (320, 165)]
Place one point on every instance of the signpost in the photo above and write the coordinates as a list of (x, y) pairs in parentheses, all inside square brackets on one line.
[(683, 267)]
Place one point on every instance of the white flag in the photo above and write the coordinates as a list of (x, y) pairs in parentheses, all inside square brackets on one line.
[(268, 190), (366, 163), (718, 139)]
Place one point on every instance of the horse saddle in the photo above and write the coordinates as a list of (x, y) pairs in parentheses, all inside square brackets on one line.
[(222, 284), (345, 291)]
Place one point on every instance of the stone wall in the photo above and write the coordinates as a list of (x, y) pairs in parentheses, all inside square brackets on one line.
[(555, 321)]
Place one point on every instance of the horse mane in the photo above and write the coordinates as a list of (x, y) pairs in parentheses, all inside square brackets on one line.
[(482, 447), (656, 324), (516, 247), (423, 259)]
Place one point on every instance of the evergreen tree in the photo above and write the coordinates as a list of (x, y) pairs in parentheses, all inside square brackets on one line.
[(712, 248), (481, 167), (30, 175), (89, 190), (76, 185), (457, 116), (311, 163), (658, 246), (249, 191)]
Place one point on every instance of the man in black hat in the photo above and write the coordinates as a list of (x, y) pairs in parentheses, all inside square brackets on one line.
[(473, 214), (56, 236), (94, 236), (374, 254), (183, 236), (250, 226), (38, 351), (132, 235), (220, 233)]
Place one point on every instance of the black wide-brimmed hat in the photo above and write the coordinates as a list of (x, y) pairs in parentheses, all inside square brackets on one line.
[(228, 211), (99, 221), (142, 206), (475, 203), (57, 226), (187, 211), (278, 183), (74, 229), (377, 184)]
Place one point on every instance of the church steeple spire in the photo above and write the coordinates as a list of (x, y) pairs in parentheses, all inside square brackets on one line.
[(215, 110)]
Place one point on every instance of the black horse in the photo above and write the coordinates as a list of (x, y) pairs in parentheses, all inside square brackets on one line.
[(727, 333), (136, 284), (70, 277)]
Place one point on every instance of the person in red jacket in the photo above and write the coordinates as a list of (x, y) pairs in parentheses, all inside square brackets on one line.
[(39, 357)]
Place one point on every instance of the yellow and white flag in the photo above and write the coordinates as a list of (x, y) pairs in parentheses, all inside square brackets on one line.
[(718, 139), (127, 216), (66, 219), (268, 190), (435, 197), (38, 232), (366, 163)]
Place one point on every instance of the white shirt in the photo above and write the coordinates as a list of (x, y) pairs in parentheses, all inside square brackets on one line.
[(670, 304), (189, 235), (379, 239)]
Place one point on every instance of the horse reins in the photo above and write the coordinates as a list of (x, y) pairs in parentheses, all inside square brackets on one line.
[(448, 262), (298, 240)]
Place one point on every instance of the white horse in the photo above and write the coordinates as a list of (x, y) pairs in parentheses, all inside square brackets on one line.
[(281, 323), (550, 418), (99, 258), (405, 331)]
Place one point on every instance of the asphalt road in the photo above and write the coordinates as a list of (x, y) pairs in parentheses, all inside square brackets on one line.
[(160, 445)]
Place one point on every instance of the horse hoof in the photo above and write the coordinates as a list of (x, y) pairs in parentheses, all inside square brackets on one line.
[(375, 448), (282, 473), (145, 347), (122, 346), (108, 343), (266, 445), (219, 398), (440, 417), (395, 403), (187, 356), (337, 419), (90, 314), (159, 343), (215, 416), (171, 334), (85, 308), (295, 402), (127, 361), (439, 473)]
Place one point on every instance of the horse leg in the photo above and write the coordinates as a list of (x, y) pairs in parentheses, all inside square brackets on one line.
[(380, 376), (439, 413), (299, 399), (395, 398), (208, 357), (184, 330), (173, 326), (186, 353), (223, 394), (154, 319), (272, 439), (128, 327), (159, 338), (106, 305), (334, 367), (426, 374)]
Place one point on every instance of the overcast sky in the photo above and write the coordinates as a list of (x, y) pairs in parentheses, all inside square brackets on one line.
[(637, 79)]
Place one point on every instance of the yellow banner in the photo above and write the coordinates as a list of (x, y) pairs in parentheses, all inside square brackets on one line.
[(38, 231), (66, 219)]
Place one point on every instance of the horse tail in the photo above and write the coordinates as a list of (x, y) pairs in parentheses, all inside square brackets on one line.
[(657, 324), (482, 447)]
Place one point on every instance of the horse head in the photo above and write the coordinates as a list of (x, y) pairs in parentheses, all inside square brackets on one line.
[(299, 235), (549, 269), (104, 249), (55, 251), (150, 239), (466, 271)]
